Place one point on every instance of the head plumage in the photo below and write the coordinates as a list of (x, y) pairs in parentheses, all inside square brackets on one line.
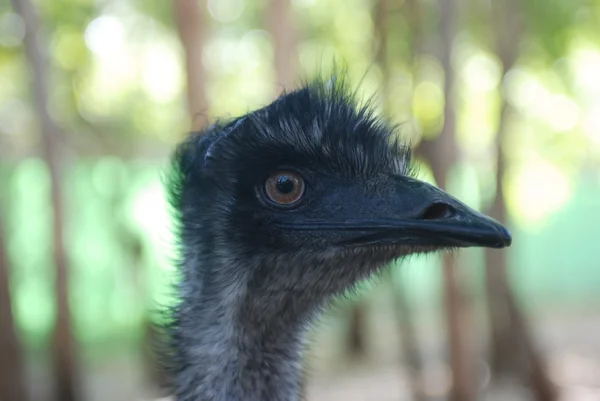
[(323, 122)]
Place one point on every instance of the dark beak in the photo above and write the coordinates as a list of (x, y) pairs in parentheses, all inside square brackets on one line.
[(428, 216), (412, 212)]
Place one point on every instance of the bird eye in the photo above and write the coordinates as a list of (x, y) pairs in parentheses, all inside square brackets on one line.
[(284, 187)]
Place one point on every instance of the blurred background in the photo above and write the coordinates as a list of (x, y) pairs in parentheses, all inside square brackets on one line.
[(500, 99)]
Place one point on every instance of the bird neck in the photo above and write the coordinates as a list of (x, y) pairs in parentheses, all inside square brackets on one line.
[(235, 341)]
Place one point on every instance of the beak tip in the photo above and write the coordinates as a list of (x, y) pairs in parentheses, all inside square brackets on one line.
[(505, 237)]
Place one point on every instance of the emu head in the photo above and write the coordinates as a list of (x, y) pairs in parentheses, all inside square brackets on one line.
[(298, 201)]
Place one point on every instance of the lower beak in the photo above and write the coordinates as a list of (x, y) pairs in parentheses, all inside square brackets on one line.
[(458, 231)]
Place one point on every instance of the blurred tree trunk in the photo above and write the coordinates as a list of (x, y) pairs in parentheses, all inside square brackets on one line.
[(356, 330), (404, 314), (63, 343), (12, 372), (502, 339), (531, 363), (508, 328), (285, 42), (444, 155), (413, 14), (190, 18)]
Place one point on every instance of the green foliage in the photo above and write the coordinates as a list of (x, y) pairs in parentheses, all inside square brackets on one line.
[(550, 22)]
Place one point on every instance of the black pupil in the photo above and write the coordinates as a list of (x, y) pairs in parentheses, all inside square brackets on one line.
[(285, 184)]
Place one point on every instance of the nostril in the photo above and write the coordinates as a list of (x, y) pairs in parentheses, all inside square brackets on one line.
[(438, 211)]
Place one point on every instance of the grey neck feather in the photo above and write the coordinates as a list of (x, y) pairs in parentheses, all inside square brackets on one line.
[(237, 343), (243, 319)]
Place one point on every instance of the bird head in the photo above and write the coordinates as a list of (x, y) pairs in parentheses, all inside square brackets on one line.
[(316, 188)]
